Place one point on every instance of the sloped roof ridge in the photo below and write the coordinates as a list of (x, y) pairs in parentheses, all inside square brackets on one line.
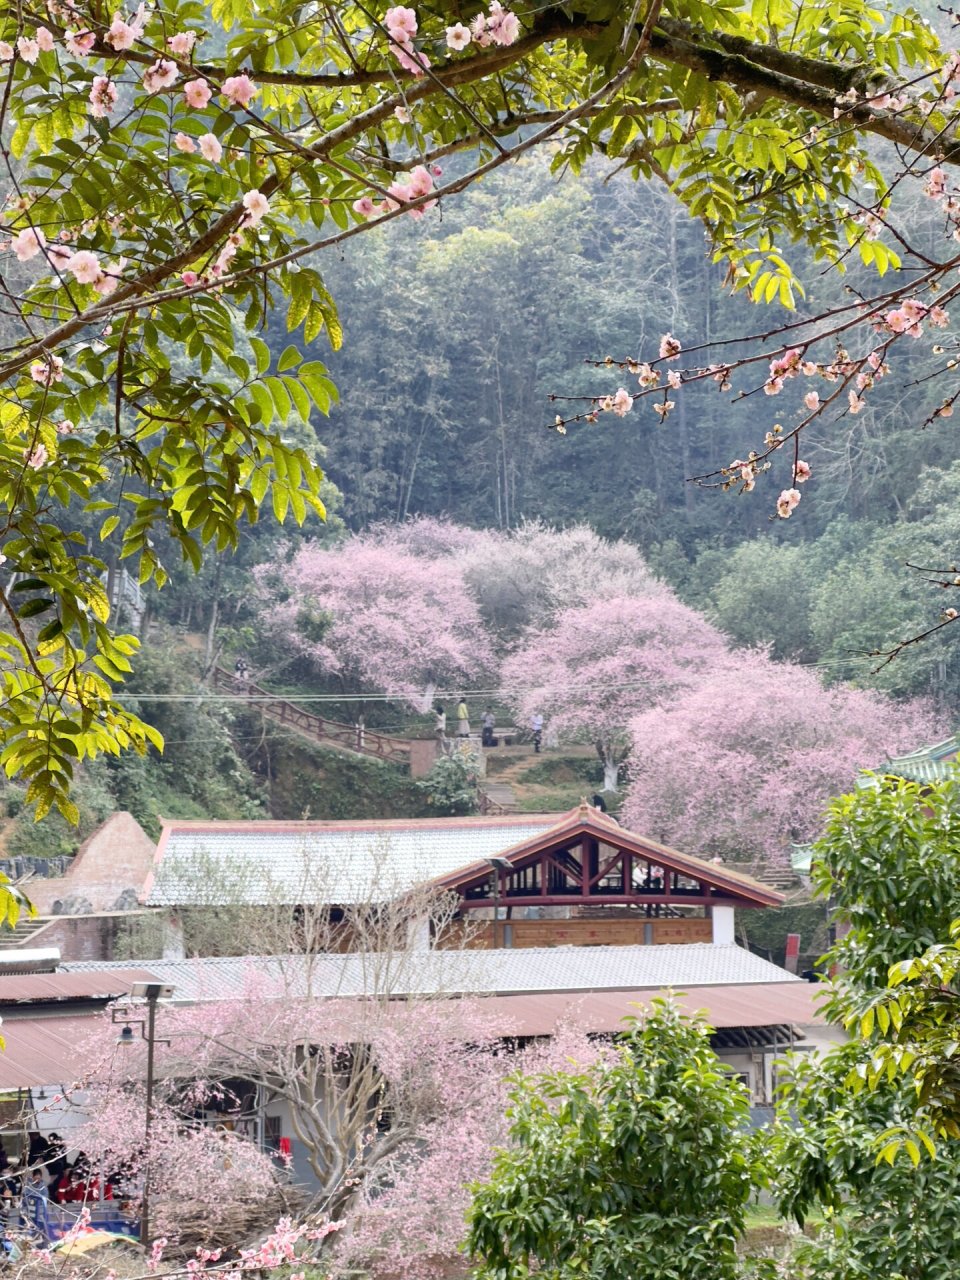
[(359, 824), (585, 813)]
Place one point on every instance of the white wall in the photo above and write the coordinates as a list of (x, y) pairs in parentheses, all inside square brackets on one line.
[(723, 924)]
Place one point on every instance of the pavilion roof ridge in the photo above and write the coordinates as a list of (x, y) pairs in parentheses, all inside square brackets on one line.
[(593, 821)]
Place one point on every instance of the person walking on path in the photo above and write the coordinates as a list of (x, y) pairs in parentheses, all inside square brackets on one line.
[(441, 722), (536, 728), (488, 724), (463, 719)]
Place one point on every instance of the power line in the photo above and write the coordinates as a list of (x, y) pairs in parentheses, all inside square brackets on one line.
[(406, 695)]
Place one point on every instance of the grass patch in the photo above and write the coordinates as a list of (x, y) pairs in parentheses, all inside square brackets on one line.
[(559, 770), (548, 799)]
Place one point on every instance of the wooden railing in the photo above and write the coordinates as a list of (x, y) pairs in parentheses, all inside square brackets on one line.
[(335, 733)]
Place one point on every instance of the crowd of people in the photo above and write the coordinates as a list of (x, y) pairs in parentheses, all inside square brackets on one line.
[(43, 1174)]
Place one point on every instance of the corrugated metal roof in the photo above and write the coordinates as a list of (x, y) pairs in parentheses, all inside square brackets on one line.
[(54, 1051), (534, 969), (66, 985), (764, 1005), (314, 862)]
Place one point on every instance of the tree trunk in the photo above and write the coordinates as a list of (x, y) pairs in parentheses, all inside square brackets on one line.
[(214, 615), (611, 767)]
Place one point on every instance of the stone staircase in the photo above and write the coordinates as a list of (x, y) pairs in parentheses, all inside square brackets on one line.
[(23, 933), (783, 879)]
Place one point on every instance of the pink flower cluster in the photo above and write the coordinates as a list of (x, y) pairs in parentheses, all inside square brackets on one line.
[(670, 348), (746, 473), (83, 264), (124, 35), (787, 502), (620, 404), (401, 24), (786, 366), (498, 26), (909, 316), (418, 184)]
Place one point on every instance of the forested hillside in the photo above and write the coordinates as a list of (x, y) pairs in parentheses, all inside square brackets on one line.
[(456, 334)]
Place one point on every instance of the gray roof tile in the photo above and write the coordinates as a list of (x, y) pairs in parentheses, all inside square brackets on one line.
[(502, 972), (256, 863)]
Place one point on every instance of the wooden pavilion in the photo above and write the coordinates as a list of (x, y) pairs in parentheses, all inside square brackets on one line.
[(589, 881)]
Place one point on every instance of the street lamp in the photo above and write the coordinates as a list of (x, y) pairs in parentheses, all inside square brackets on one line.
[(497, 865), (151, 992)]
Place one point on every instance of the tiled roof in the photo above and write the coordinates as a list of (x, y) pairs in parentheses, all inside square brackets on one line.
[(928, 764), (204, 863), (500, 972)]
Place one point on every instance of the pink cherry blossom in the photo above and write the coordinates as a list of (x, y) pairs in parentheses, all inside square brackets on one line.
[(189, 278), (197, 94), (84, 266), (182, 43), (402, 114), (938, 317), (421, 181), (80, 43), (365, 207), (239, 90), (773, 386), (776, 723), (257, 206), (161, 75), (26, 244), (47, 371), (28, 49), (183, 143), (6, 51), (787, 502), (812, 400), (856, 402), (669, 347), (401, 23), (622, 402), (411, 59), (210, 147), (124, 35), (45, 39), (478, 29), (674, 379), (58, 255), (936, 183), (37, 456), (109, 279), (502, 25), (65, 428), (458, 37), (801, 471), (102, 97)]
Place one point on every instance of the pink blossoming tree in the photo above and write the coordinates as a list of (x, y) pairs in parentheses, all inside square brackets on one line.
[(377, 617), (600, 665), (746, 760)]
